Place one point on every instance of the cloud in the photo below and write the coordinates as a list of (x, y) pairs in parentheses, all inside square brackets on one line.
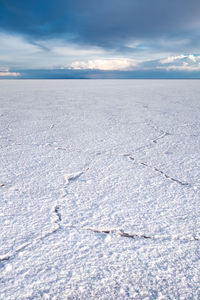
[(19, 53), (4, 69), (184, 67), (180, 66), (9, 74), (188, 63), (108, 24), (4, 72), (104, 64), (182, 62), (192, 58), (109, 74), (171, 59), (114, 35)]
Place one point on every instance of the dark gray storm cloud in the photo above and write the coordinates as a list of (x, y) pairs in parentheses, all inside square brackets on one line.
[(106, 23)]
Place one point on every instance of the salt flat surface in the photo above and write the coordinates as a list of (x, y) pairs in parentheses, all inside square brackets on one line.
[(100, 189)]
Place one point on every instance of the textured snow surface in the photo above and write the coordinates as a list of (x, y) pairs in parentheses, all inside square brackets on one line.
[(100, 189)]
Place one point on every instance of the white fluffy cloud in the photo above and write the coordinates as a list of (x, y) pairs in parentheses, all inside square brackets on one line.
[(172, 63), (184, 67), (188, 63), (4, 72), (104, 64), (9, 74), (193, 58), (171, 59)]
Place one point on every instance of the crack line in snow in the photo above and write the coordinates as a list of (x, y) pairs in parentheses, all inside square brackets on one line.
[(116, 232), (56, 210), (161, 172), (68, 178), (162, 132), (133, 235), (74, 176), (120, 232), (4, 258), (143, 236), (9, 257), (161, 137)]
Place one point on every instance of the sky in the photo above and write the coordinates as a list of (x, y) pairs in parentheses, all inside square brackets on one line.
[(99, 39)]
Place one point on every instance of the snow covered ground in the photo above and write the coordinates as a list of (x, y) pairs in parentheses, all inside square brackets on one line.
[(100, 189)]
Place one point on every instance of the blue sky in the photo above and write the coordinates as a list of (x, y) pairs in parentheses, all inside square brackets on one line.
[(99, 39)]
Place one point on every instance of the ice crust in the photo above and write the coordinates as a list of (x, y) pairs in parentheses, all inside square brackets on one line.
[(100, 189)]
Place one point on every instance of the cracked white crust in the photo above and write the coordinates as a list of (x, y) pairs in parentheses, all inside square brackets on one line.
[(99, 189)]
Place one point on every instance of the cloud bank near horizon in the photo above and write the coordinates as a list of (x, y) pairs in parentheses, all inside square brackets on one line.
[(182, 62), (116, 68)]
